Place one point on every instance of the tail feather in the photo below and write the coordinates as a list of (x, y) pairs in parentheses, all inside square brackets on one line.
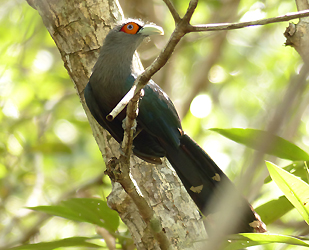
[(205, 182)]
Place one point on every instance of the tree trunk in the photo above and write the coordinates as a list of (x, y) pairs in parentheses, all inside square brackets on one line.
[(78, 28)]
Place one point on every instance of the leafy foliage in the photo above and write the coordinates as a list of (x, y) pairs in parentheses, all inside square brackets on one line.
[(94, 211), (296, 190), (274, 145), (274, 209), (247, 239), (47, 151)]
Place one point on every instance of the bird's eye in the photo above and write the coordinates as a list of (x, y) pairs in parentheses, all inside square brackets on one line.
[(130, 28)]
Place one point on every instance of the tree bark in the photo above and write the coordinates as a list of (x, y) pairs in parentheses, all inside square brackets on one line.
[(78, 28), (297, 35)]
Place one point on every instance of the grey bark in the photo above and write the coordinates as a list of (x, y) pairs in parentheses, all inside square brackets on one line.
[(298, 34)]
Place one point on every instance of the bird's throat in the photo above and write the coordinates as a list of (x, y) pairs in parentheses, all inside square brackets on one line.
[(109, 78)]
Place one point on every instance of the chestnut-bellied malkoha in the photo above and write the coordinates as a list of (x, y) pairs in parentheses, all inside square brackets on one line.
[(160, 132)]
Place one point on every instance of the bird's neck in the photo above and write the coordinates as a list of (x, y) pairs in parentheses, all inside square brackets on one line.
[(114, 66), (111, 72)]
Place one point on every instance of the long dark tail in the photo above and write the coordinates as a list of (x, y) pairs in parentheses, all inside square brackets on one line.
[(206, 183)]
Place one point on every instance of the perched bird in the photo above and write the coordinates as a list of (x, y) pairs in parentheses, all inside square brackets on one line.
[(159, 128)]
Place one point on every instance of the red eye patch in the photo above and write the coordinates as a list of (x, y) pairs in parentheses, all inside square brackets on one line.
[(130, 28)]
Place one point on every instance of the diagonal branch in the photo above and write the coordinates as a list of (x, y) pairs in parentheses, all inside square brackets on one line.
[(192, 6), (119, 171), (181, 29), (143, 78), (122, 175), (173, 11)]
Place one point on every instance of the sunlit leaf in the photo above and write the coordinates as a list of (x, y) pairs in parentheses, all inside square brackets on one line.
[(307, 171), (94, 211), (274, 209), (296, 190), (68, 242), (296, 168), (255, 139), (241, 241)]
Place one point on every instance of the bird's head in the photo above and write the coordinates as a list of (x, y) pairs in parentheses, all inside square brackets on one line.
[(129, 34), (116, 56)]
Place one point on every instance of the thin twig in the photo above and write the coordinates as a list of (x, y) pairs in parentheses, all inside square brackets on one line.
[(119, 171), (173, 11), (130, 123), (125, 180), (123, 176), (146, 212), (192, 6), (121, 105), (232, 26)]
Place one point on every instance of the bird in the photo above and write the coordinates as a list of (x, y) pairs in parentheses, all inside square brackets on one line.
[(160, 133)]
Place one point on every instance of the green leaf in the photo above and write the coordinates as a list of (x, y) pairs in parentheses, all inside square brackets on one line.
[(296, 168), (94, 211), (306, 170), (254, 138), (296, 190), (68, 242), (241, 241), (274, 209)]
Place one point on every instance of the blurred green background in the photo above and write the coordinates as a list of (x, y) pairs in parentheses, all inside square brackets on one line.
[(232, 79)]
